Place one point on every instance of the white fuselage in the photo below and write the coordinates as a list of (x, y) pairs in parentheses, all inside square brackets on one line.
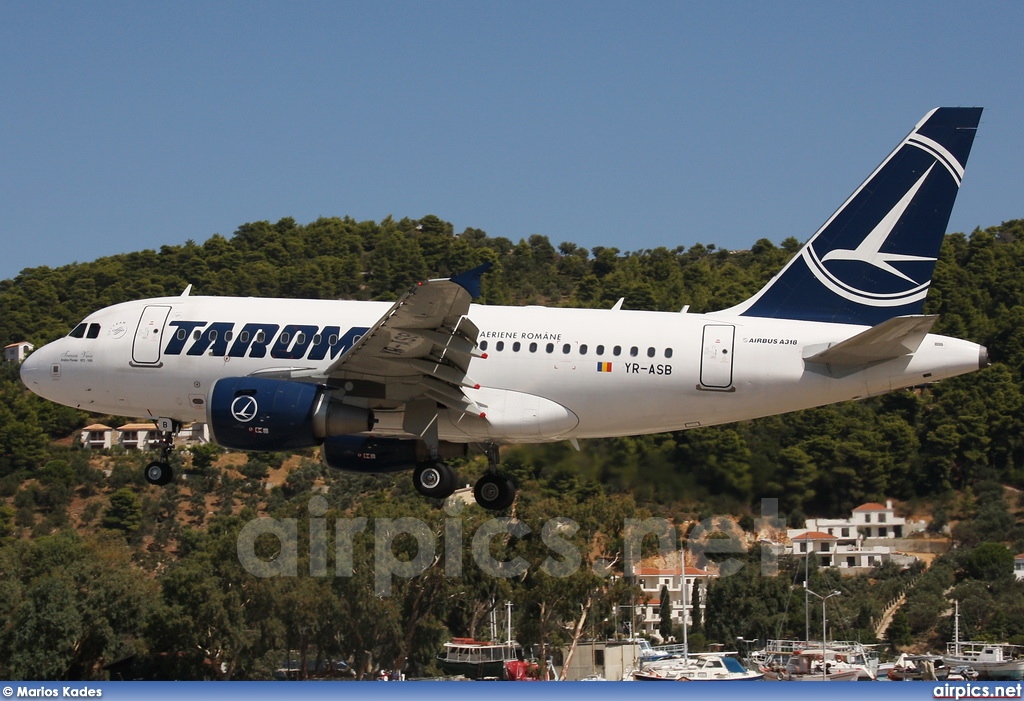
[(550, 373)]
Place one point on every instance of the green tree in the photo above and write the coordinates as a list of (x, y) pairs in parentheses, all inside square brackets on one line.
[(665, 615), (124, 513)]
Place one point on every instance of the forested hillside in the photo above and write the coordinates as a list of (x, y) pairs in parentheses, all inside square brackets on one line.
[(181, 604)]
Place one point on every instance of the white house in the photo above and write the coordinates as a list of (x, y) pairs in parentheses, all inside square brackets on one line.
[(844, 543), (97, 437), (877, 521), (139, 436), (16, 352), (652, 579), (1018, 567), (869, 520)]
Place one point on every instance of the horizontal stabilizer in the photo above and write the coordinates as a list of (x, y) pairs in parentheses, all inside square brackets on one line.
[(899, 336)]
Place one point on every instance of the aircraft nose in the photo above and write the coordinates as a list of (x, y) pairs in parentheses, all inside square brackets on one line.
[(29, 371), (33, 371)]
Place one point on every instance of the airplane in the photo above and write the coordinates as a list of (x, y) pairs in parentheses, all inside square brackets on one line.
[(383, 387)]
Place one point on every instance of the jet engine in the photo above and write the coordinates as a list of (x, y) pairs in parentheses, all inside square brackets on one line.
[(254, 413)]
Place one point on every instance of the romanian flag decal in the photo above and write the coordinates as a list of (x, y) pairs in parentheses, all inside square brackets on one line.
[(604, 367)]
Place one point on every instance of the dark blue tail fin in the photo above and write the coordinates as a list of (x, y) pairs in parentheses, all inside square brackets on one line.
[(873, 259)]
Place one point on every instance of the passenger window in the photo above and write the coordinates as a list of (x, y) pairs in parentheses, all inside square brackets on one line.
[(533, 347), (500, 345), (332, 339), (516, 346), (633, 351), (78, 331), (668, 352), (197, 334), (566, 348), (181, 334), (94, 331), (300, 338), (260, 337), (650, 352), (243, 337), (550, 348), (617, 350), (483, 345), (600, 350), (583, 349), (285, 337)]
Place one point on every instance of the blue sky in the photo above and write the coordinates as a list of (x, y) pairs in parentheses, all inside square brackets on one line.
[(130, 125)]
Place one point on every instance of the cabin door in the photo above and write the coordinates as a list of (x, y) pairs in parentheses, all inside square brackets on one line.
[(716, 356), (149, 335)]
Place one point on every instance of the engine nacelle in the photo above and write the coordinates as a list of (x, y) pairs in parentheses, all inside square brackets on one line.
[(371, 454), (254, 413)]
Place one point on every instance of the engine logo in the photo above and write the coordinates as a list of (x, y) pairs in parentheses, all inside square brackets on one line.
[(244, 408)]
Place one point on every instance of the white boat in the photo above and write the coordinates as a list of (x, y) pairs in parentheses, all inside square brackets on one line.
[(700, 666), (994, 661)]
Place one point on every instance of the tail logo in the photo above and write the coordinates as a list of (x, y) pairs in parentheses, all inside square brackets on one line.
[(900, 287), (869, 252)]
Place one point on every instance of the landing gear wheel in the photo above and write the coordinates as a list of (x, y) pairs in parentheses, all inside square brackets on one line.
[(434, 479), (494, 492), (159, 473)]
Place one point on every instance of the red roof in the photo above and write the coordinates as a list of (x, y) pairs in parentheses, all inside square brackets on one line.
[(692, 571), (815, 535), (871, 506)]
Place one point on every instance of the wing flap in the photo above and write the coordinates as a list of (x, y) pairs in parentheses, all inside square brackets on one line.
[(896, 337), (422, 347)]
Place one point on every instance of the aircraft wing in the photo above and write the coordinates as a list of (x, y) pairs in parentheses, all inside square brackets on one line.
[(420, 349), (899, 336)]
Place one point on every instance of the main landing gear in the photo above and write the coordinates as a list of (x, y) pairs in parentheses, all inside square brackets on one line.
[(436, 479), (159, 472)]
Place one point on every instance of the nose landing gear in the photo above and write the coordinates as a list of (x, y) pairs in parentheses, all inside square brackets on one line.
[(159, 472)]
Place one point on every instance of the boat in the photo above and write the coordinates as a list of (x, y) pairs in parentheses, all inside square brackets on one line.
[(918, 667), (699, 666), (993, 661), (842, 654), (476, 659), (649, 653), (808, 666)]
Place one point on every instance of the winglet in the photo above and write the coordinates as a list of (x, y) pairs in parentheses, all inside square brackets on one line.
[(470, 280)]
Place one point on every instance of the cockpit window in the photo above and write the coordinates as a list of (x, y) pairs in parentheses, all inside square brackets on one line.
[(85, 330)]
